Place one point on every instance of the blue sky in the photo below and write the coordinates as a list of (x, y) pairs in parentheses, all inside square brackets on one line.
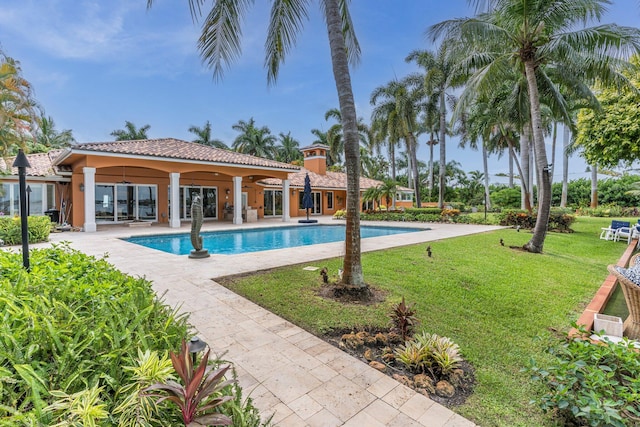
[(95, 64)]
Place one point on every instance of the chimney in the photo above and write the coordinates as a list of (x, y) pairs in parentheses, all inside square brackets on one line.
[(315, 158)]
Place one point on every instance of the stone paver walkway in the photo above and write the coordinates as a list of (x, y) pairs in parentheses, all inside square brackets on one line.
[(290, 374)]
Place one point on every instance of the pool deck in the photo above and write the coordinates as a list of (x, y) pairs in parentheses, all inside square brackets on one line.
[(291, 374)]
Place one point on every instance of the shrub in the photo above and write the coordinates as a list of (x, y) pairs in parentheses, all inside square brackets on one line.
[(71, 330), (559, 220), (591, 384), (429, 351), (403, 319), (427, 211), (340, 214), (11, 231)]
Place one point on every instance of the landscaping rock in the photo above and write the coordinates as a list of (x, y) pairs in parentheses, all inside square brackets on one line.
[(402, 379), (379, 366), (456, 376), (425, 382), (352, 341), (445, 389), (368, 354)]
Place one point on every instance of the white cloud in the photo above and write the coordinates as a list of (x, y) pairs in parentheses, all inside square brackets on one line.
[(114, 31)]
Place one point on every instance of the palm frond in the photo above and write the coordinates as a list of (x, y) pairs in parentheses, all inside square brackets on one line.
[(219, 42)]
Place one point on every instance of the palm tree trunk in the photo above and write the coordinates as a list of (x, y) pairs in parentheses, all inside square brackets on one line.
[(485, 166), (511, 157), (414, 168), (565, 166), (544, 203), (525, 189), (352, 266), (392, 159), (443, 151), (431, 141), (524, 162), (553, 152), (594, 186)]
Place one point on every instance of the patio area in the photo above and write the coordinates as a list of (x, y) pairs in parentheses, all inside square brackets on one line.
[(289, 373)]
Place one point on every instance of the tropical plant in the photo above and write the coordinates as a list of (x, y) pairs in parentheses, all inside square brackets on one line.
[(131, 132), (257, 141), (372, 194), (199, 396), (539, 36), (404, 319), (443, 353), (398, 104), (48, 138), (441, 77), (84, 408), (591, 383), (136, 407), (17, 106), (413, 356), (203, 136), (388, 190), (289, 149), (219, 44)]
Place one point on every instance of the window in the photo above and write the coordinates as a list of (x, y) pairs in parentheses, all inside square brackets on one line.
[(40, 199), (329, 200), (126, 202), (404, 197)]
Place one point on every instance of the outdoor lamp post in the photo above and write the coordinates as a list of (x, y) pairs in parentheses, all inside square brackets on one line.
[(196, 345), (22, 164)]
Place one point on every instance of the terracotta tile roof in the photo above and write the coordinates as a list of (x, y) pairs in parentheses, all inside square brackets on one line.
[(176, 149), (41, 164), (332, 180)]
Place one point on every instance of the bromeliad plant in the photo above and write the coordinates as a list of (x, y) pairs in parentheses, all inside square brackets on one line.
[(403, 319), (201, 395)]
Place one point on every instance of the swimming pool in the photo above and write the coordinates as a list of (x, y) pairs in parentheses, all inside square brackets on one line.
[(231, 242)]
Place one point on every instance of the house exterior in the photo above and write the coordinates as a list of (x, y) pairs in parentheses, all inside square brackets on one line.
[(118, 182)]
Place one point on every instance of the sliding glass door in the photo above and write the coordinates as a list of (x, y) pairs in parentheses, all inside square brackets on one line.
[(126, 202), (272, 203)]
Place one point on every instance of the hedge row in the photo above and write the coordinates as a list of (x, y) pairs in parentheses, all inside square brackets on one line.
[(11, 231)]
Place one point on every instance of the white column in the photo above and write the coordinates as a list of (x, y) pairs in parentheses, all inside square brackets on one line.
[(174, 186), (237, 200), (89, 199), (285, 201)]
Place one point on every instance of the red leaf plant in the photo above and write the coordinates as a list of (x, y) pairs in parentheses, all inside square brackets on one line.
[(200, 395)]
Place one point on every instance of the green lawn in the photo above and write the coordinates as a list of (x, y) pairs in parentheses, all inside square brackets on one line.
[(502, 306)]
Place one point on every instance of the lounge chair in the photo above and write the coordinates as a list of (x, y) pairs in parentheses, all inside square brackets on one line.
[(609, 233), (629, 280), (627, 233)]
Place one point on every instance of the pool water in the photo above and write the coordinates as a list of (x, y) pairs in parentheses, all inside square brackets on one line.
[(231, 242)]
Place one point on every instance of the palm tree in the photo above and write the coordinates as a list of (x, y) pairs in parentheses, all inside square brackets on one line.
[(440, 78), (288, 151), (534, 35), (17, 106), (254, 140), (219, 44), (48, 138), (203, 135), (399, 102), (131, 132), (388, 190)]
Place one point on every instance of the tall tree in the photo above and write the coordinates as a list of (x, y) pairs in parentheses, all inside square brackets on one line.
[(47, 137), (203, 136), (257, 141), (441, 76), (400, 103), (17, 106), (131, 132), (532, 35), (289, 149)]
